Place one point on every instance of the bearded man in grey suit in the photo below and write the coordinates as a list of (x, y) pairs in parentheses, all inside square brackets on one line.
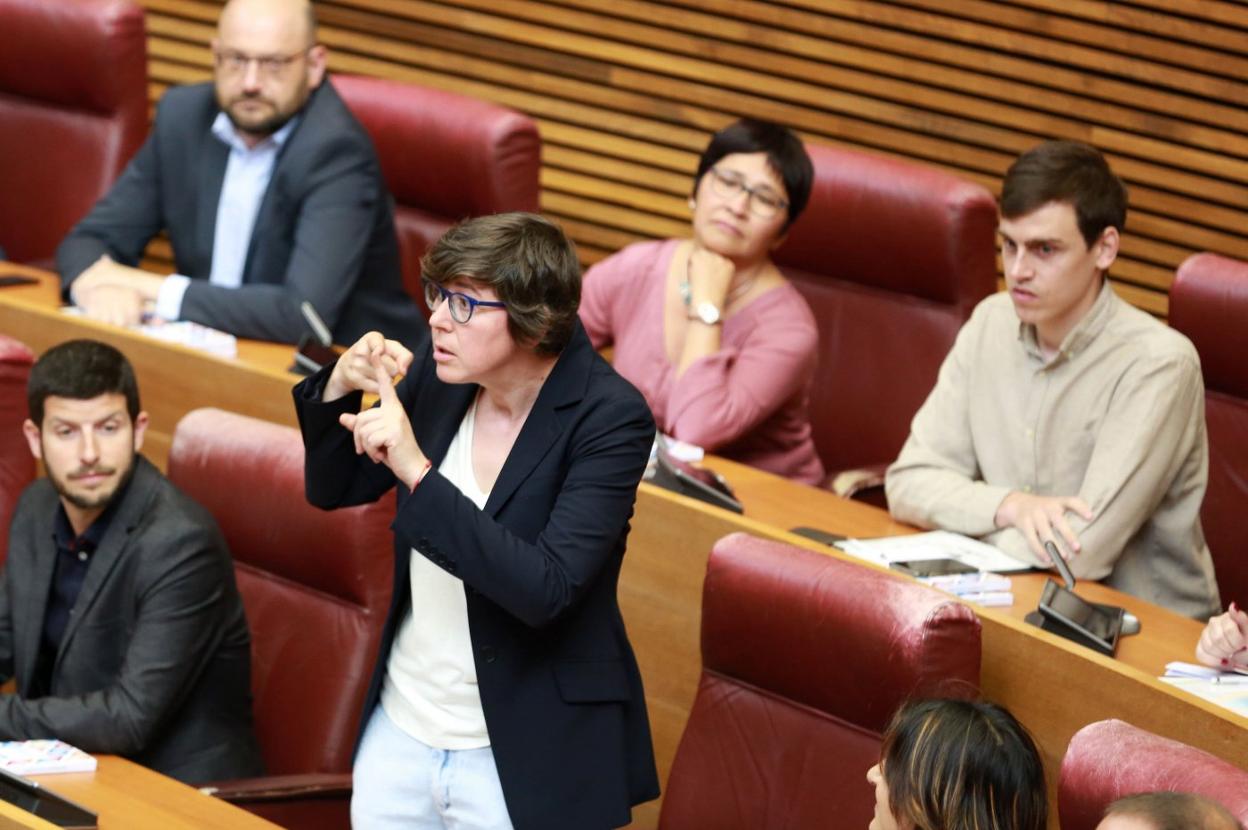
[(119, 614), (270, 192)]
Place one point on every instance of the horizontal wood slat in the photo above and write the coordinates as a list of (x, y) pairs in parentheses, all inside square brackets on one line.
[(625, 94)]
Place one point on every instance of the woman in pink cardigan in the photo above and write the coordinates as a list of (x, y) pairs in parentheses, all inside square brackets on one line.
[(710, 331)]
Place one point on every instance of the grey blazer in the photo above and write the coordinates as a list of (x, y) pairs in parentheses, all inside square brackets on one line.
[(155, 663), (324, 231)]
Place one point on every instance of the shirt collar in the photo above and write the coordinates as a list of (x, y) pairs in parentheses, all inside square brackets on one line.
[(223, 128), (63, 531), (1078, 338)]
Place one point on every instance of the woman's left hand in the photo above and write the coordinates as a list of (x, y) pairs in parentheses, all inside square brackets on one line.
[(384, 432)]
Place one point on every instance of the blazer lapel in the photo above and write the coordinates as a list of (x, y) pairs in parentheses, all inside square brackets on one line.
[(105, 558), (211, 178), (565, 387), (28, 620)]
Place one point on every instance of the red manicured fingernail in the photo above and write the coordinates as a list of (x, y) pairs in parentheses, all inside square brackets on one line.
[(1225, 662), (1233, 608)]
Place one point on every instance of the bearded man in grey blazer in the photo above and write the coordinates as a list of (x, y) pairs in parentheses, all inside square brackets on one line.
[(270, 192), (119, 614)]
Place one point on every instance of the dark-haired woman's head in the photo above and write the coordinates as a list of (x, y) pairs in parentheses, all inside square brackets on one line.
[(753, 181), (958, 765)]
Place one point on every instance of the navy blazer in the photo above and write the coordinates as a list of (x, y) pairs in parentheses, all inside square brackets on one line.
[(324, 231), (156, 661), (559, 684)]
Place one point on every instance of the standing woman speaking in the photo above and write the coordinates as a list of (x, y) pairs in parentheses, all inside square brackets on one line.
[(506, 693)]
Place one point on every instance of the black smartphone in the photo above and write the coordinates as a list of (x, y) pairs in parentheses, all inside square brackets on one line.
[(933, 567), (1100, 625), (1060, 563), (311, 356), (16, 279), (818, 535)]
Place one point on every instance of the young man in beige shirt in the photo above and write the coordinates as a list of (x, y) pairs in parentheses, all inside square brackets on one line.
[(1062, 413)]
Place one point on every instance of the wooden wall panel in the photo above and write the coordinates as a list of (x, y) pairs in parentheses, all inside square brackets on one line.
[(626, 92)]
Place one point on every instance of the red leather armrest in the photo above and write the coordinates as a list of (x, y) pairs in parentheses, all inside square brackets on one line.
[(281, 788)]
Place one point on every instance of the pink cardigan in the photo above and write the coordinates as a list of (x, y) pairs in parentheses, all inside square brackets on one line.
[(749, 400)]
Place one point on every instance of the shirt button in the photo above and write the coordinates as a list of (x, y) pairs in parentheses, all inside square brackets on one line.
[(82, 556)]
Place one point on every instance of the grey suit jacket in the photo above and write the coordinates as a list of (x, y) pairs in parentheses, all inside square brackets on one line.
[(155, 663), (324, 231)]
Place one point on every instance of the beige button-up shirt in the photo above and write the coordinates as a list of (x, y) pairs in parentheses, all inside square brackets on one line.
[(1116, 417)]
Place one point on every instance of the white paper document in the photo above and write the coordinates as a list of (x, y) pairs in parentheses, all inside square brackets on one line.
[(935, 544)]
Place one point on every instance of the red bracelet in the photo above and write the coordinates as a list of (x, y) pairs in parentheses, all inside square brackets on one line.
[(421, 477)]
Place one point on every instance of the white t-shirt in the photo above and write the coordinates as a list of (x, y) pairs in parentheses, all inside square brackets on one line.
[(430, 688)]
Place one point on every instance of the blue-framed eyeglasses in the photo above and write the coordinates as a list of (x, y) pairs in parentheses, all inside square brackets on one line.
[(460, 305)]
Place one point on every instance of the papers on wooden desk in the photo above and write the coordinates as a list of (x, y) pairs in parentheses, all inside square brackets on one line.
[(43, 757), (1228, 689), (183, 333), (936, 544)]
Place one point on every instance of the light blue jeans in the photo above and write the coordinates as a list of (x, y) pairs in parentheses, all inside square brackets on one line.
[(402, 784)]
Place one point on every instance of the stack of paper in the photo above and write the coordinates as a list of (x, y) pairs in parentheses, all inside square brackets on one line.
[(980, 588), (936, 544), (43, 756), (1228, 689)]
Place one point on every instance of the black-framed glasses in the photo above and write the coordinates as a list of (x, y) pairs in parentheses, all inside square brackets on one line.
[(762, 201), (270, 66), (460, 305)]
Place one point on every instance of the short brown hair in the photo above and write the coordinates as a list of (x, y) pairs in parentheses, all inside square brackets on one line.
[(962, 765), (1167, 810), (529, 263), (81, 370), (1069, 172)]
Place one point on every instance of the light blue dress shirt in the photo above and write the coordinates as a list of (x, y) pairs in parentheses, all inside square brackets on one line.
[(247, 175)]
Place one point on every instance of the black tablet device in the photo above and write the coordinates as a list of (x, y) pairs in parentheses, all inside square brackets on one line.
[(697, 482), (45, 804), (1097, 626)]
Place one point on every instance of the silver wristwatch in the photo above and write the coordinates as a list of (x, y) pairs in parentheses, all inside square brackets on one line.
[(707, 312)]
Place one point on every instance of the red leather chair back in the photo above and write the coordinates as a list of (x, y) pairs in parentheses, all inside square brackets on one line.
[(1110, 759), (73, 109), (17, 465), (445, 157), (1209, 304), (315, 585), (804, 659), (892, 257)]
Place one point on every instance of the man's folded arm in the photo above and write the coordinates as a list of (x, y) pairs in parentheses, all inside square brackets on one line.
[(121, 223), (935, 480), (178, 629)]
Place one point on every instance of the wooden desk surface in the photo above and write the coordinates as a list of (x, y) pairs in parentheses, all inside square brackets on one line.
[(1053, 686), (173, 379), (127, 796)]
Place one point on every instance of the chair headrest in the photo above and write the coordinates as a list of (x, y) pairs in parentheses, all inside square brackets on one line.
[(88, 54), (897, 226), (1209, 303), (837, 636)]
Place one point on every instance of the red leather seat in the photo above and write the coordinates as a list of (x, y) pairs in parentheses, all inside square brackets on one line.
[(316, 587), (1209, 304), (892, 257), (445, 157), (17, 465), (73, 109), (1110, 759), (804, 659)]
